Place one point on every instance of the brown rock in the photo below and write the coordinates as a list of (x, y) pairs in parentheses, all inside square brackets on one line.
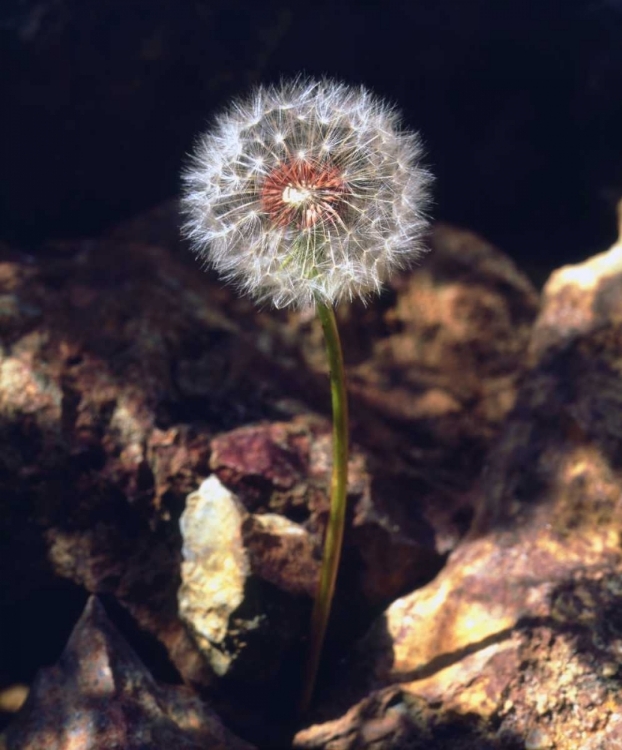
[(100, 696), (246, 586), (12, 698), (520, 628), (433, 367), (393, 719), (107, 407), (282, 553), (119, 366), (434, 372), (285, 468), (450, 350), (248, 575), (378, 721)]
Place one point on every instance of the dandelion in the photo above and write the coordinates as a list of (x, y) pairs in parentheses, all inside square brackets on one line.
[(307, 191), (308, 194)]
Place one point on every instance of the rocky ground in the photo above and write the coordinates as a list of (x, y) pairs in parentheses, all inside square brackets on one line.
[(164, 462)]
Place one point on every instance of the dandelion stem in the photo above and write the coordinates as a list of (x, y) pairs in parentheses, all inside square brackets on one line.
[(338, 492)]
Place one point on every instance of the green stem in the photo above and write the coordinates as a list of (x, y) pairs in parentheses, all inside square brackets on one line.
[(338, 491)]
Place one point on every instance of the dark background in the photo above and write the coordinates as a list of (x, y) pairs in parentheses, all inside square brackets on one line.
[(519, 103)]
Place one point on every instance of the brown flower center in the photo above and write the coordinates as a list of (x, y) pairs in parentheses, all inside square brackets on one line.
[(300, 194)]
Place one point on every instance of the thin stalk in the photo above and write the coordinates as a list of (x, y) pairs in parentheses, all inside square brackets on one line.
[(338, 491)]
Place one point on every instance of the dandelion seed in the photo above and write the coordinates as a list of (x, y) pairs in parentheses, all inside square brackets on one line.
[(301, 183)]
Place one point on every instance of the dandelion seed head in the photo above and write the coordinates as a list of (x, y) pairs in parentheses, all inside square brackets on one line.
[(310, 190)]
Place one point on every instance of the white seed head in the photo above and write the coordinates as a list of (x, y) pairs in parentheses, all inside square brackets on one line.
[(307, 191)]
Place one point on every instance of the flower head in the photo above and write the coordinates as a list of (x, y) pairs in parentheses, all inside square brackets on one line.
[(307, 191)]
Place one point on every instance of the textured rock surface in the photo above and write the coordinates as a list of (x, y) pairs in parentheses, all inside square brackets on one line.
[(127, 377), (520, 632), (394, 719), (253, 574), (115, 372), (100, 696), (283, 468), (433, 373), (236, 569), (215, 567), (433, 368)]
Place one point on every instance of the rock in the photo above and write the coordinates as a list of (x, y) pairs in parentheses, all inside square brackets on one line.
[(215, 567), (284, 468), (12, 698), (520, 630), (433, 371), (128, 376), (236, 568), (378, 721), (247, 582), (100, 696), (246, 576), (102, 371), (282, 553), (578, 300), (457, 332), (393, 719)]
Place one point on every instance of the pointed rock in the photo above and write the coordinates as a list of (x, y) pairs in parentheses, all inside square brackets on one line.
[(100, 696)]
